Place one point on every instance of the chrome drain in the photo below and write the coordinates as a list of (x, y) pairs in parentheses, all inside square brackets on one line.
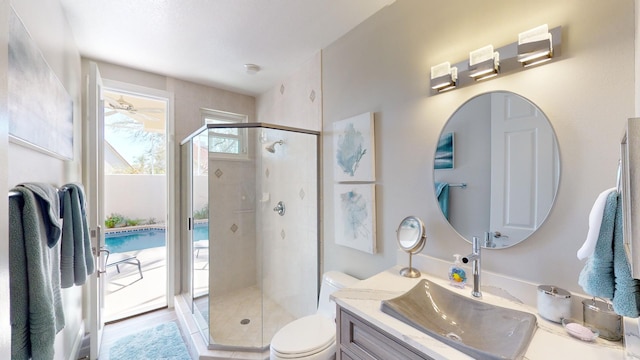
[(245, 321), (454, 336)]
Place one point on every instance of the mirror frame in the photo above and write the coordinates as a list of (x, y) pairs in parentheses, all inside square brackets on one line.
[(418, 245), (556, 166)]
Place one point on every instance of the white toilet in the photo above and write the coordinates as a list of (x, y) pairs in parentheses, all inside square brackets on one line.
[(313, 337)]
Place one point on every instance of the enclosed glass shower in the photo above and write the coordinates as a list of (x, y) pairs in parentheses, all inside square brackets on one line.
[(250, 203)]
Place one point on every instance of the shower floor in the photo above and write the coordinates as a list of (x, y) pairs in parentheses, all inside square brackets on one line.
[(239, 320)]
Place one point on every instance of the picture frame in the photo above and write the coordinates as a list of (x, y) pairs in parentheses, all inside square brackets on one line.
[(355, 216), (40, 108), (445, 152), (354, 149)]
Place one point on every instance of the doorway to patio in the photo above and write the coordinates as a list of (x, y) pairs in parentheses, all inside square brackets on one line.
[(135, 202)]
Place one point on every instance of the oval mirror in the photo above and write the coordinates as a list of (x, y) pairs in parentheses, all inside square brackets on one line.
[(497, 169), (411, 238)]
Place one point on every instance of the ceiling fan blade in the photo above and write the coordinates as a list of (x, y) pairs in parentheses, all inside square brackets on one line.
[(125, 104), (151, 110), (145, 117)]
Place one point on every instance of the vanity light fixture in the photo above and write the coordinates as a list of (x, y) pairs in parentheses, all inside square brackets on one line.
[(535, 46), (484, 63), (444, 77)]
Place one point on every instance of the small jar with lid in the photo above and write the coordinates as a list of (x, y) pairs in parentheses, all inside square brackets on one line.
[(601, 316), (554, 303)]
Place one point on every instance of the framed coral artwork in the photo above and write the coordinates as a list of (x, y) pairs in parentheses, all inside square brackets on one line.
[(354, 149), (355, 216), (445, 152)]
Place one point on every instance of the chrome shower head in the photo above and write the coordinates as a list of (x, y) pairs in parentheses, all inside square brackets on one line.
[(272, 148)]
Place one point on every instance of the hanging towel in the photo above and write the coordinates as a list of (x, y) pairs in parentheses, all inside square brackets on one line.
[(626, 296), (597, 277), (442, 194), (76, 258), (595, 220), (47, 197), (35, 311)]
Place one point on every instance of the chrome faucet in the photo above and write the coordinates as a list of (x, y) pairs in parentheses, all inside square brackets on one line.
[(475, 258)]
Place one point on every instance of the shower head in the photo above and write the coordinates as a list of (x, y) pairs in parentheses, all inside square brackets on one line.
[(272, 148)]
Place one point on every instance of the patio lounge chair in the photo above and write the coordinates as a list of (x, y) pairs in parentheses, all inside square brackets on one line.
[(200, 245), (117, 259)]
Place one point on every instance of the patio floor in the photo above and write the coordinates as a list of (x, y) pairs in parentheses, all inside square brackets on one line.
[(127, 295)]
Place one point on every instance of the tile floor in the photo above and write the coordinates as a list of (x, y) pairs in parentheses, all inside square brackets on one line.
[(230, 312), (245, 319)]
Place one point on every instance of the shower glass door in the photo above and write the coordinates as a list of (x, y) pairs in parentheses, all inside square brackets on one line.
[(199, 225), (262, 233)]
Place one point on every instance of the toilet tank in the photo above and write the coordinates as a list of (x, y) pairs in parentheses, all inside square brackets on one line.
[(332, 281)]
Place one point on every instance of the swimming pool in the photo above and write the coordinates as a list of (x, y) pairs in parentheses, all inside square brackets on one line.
[(140, 239)]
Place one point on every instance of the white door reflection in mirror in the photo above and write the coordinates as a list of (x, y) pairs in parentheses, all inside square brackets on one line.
[(522, 168)]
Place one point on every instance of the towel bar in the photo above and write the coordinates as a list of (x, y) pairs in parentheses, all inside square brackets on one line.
[(18, 193)]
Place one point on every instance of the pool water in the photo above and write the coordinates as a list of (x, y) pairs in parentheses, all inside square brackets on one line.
[(145, 239)]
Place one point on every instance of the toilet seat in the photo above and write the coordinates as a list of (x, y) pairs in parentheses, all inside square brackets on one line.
[(304, 337)]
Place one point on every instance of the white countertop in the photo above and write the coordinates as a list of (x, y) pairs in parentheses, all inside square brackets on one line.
[(550, 340)]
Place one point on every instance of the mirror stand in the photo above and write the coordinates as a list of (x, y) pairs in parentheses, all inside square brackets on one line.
[(411, 238), (410, 271)]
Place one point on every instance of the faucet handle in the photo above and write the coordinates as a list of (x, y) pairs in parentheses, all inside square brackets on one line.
[(475, 245)]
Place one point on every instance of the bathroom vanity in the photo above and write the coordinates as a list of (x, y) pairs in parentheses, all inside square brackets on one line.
[(365, 332), (359, 339)]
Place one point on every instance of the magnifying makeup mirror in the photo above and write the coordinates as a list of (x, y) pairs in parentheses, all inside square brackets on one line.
[(411, 238)]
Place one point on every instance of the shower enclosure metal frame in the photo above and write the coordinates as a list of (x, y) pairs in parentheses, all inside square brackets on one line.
[(188, 221)]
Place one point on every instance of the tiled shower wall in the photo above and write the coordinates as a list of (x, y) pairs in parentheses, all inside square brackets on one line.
[(232, 214), (289, 243), (252, 244)]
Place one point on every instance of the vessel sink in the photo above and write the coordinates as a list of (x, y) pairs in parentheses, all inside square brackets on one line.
[(478, 329)]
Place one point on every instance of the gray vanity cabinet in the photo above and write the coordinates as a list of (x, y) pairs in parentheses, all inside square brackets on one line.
[(360, 340)]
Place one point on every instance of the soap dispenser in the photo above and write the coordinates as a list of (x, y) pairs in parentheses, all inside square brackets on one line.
[(457, 275)]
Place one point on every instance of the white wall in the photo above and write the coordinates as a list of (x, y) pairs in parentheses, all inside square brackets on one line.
[(5, 322), (48, 27), (136, 196), (637, 57), (297, 100), (383, 65)]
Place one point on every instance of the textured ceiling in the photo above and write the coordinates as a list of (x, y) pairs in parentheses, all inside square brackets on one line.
[(209, 41)]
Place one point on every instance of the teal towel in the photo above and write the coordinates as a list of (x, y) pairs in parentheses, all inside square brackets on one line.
[(35, 309), (442, 194), (49, 201), (626, 296), (597, 277), (76, 258)]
